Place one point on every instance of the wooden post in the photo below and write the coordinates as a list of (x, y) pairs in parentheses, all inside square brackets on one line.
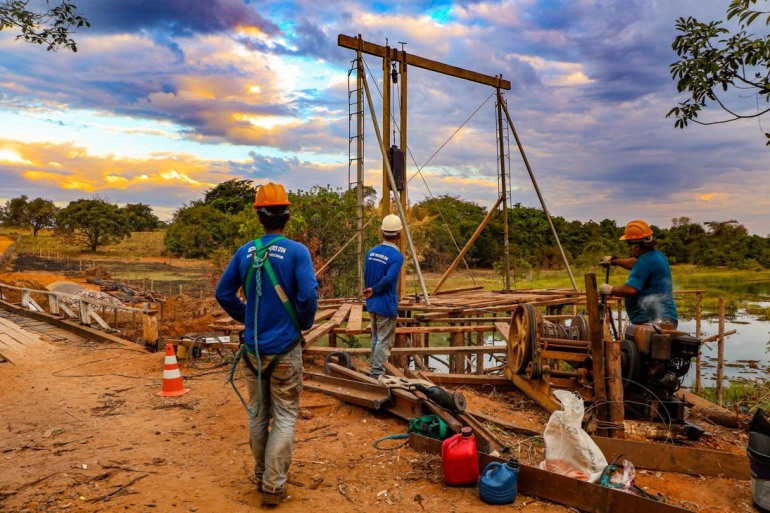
[(456, 362), (614, 381), (400, 361), (53, 304), (698, 306), (721, 350), (597, 348), (150, 335), (85, 313)]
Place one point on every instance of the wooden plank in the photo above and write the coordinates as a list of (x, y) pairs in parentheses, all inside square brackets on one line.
[(355, 320), (23, 336), (10, 349), (581, 495), (312, 336), (355, 392), (674, 458), (504, 329), (325, 314), (470, 380), (434, 350)]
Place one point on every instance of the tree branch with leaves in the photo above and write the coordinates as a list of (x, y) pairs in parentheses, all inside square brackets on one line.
[(52, 27), (716, 66)]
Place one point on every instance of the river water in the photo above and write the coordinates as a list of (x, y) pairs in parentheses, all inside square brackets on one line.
[(745, 352)]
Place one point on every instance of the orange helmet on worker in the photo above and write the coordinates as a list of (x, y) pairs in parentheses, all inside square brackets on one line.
[(637, 231), (271, 195)]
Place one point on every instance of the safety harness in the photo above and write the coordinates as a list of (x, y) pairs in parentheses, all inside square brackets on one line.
[(260, 259)]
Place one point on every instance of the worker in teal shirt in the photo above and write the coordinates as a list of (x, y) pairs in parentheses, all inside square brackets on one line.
[(382, 270), (272, 362), (649, 290)]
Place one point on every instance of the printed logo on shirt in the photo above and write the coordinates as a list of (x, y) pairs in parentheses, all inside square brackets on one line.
[(378, 257)]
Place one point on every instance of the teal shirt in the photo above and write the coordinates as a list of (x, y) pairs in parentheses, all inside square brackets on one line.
[(651, 277)]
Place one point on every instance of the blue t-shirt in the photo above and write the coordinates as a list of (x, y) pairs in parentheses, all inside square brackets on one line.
[(381, 272), (651, 277), (293, 269)]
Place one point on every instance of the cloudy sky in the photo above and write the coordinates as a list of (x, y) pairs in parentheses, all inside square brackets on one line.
[(166, 99)]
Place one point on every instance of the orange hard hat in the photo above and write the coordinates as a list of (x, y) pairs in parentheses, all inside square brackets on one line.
[(271, 195), (637, 230)]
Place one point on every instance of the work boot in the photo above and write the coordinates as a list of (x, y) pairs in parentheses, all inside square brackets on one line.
[(275, 498)]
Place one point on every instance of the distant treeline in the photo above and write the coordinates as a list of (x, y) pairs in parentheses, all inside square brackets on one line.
[(326, 219)]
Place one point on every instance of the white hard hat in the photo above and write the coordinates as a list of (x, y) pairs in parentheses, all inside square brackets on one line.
[(391, 224)]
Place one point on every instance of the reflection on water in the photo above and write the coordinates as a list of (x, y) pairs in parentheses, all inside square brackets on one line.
[(749, 343)]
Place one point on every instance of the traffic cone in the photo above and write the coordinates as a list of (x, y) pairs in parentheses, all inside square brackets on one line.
[(172, 378)]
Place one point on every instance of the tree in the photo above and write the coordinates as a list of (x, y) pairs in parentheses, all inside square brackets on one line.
[(140, 217), (93, 222), (36, 214), (13, 212), (716, 66), (198, 230), (52, 26), (40, 213), (231, 197)]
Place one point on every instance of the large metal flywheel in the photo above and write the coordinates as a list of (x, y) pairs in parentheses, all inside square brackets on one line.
[(522, 337)]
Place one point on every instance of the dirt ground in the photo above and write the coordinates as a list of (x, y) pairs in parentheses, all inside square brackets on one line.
[(83, 429)]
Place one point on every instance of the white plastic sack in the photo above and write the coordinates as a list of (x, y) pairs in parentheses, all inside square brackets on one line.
[(569, 450)]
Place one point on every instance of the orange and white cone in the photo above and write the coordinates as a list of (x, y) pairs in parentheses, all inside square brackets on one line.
[(172, 378)]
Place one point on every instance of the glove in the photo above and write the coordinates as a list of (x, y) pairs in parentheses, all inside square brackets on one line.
[(605, 289), (606, 261)]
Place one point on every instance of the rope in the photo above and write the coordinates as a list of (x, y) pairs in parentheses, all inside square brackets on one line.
[(399, 436), (257, 265)]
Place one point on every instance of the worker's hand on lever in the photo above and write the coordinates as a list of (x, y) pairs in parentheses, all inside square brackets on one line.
[(605, 289), (606, 261)]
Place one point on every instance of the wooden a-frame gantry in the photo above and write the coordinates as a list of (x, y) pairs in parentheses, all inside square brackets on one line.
[(389, 57)]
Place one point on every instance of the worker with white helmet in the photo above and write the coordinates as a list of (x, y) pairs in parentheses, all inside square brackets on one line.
[(382, 270), (649, 290)]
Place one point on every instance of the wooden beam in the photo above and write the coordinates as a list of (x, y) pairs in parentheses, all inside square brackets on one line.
[(354, 321), (356, 43), (581, 495), (673, 458), (433, 350)]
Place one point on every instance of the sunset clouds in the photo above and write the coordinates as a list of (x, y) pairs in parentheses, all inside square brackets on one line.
[(164, 100)]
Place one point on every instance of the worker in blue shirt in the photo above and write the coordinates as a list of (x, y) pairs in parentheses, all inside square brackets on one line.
[(276, 275), (649, 290), (382, 270)]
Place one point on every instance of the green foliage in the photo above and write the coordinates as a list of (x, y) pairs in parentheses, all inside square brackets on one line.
[(447, 223), (93, 223), (231, 197), (52, 26), (140, 217), (324, 219), (36, 214), (717, 66), (197, 230), (741, 395)]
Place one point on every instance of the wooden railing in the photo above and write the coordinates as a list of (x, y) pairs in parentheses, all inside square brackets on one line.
[(60, 304)]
